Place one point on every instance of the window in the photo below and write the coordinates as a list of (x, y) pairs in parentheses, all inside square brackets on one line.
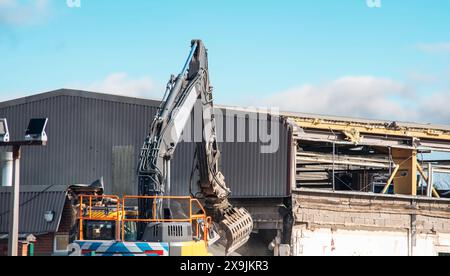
[(99, 230), (130, 231), (61, 243)]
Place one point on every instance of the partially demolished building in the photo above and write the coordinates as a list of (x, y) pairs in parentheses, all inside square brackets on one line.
[(364, 187)]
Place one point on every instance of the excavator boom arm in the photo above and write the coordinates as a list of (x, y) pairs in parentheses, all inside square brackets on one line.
[(183, 92)]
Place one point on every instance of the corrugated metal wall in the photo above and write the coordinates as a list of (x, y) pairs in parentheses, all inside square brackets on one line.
[(84, 130)]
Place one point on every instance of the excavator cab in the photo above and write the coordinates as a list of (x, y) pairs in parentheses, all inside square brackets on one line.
[(112, 230)]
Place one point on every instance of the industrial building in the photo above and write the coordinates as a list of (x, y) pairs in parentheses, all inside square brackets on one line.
[(331, 186), (94, 135)]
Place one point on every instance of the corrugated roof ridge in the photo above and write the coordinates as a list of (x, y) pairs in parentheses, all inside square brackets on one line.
[(37, 188), (81, 94)]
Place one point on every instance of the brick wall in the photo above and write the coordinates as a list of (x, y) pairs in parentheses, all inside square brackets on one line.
[(3, 248), (44, 245), (22, 250), (370, 212), (67, 218)]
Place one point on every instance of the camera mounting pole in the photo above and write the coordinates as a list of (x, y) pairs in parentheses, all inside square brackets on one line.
[(36, 127)]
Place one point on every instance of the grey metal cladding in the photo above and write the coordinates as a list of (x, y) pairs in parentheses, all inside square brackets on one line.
[(248, 172), (34, 202), (83, 132), (85, 127)]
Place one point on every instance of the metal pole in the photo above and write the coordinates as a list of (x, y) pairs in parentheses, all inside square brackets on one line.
[(168, 183), (7, 169), (430, 181), (14, 206), (334, 163), (168, 188)]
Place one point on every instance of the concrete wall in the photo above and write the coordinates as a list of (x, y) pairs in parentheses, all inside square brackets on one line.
[(366, 224), (339, 242)]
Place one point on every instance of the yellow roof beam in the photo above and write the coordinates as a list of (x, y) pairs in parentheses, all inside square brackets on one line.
[(353, 129)]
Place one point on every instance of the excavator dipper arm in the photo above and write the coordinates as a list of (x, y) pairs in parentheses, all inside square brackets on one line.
[(183, 92)]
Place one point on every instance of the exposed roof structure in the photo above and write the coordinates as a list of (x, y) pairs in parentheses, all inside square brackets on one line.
[(354, 120), (34, 202)]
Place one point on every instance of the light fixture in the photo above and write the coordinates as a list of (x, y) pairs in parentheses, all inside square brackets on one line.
[(36, 130), (4, 132), (49, 216)]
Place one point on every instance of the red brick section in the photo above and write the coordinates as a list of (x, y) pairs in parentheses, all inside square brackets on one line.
[(22, 251), (67, 218), (44, 245), (3, 248)]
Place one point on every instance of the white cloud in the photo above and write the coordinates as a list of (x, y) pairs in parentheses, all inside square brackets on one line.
[(122, 84), (418, 77), (20, 12), (435, 48), (436, 108), (366, 97), (356, 96)]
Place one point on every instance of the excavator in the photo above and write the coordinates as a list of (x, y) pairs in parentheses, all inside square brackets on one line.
[(174, 225)]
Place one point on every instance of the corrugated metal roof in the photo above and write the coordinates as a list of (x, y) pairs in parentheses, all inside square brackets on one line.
[(34, 202), (80, 94), (84, 129)]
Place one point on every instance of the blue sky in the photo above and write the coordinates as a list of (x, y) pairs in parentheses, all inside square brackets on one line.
[(321, 56)]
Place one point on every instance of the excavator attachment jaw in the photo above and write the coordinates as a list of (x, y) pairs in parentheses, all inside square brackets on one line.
[(237, 225)]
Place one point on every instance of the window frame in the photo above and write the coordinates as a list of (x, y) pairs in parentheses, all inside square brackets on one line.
[(55, 243)]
